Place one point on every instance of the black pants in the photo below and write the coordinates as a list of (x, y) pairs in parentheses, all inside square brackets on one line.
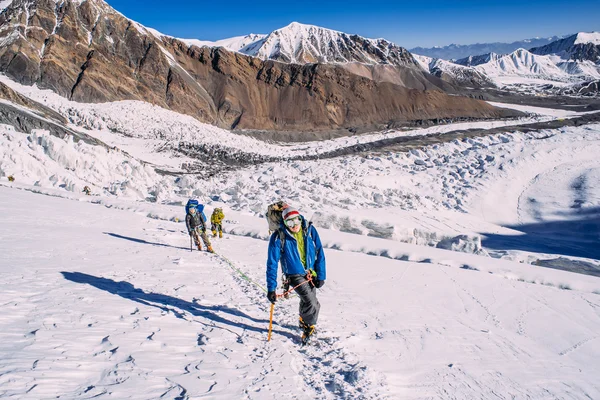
[(309, 305)]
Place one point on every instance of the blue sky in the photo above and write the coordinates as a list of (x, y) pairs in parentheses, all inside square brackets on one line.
[(408, 23)]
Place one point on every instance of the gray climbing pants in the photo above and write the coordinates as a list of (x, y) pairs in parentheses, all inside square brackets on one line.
[(309, 305)]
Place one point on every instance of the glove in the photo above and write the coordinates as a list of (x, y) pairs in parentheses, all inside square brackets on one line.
[(272, 297), (318, 284)]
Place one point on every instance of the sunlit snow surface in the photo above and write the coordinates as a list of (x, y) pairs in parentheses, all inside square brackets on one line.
[(107, 302), (102, 297)]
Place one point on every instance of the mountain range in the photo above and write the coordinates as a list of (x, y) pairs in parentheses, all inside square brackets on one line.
[(458, 51), (573, 59), (88, 52), (568, 59), (297, 78)]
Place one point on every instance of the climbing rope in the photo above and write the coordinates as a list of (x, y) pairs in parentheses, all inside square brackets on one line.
[(247, 278), (242, 274)]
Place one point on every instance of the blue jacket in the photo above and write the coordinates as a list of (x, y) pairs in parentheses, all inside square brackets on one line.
[(290, 260)]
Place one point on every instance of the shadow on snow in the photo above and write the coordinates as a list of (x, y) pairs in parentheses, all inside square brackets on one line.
[(142, 241), (578, 237), (172, 304)]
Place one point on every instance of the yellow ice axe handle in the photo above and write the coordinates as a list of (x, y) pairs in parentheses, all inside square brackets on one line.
[(271, 322)]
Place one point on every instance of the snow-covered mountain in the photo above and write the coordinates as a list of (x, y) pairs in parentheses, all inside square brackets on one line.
[(583, 46), (458, 51), (449, 71), (305, 44), (525, 64), (519, 62)]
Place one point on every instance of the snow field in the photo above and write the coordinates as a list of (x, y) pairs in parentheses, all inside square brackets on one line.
[(434, 186), (153, 319)]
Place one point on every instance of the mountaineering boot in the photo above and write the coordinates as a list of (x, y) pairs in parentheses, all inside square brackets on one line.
[(214, 233), (221, 234), (210, 249), (308, 332)]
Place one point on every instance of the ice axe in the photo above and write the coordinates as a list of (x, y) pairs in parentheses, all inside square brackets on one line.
[(271, 322)]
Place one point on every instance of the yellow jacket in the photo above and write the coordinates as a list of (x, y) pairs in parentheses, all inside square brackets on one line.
[(217, 216)]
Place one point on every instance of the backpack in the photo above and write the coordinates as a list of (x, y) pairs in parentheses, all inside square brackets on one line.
[(273, 215), (193, 203)]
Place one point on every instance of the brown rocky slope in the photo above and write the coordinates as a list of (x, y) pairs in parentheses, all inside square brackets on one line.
[(88, 52)]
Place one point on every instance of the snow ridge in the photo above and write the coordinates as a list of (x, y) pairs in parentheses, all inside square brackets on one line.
[(301, 44), (525, 64)]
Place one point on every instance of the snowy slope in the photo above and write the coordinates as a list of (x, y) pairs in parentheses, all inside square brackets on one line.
[(574, 59), (588, 37), (153, 320), (4, 4), (402, 316), (300, 43)]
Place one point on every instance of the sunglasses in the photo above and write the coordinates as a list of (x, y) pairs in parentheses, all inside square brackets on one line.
[(290, 223)]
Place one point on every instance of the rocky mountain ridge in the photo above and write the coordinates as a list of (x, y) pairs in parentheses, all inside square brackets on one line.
[(88, 52)]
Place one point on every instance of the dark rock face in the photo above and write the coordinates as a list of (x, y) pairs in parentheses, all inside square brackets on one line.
[(90, 53), (16, 98), (587, 51), (569, 49)]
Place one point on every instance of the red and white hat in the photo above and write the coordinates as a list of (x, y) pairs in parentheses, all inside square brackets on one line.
[(289, 212)]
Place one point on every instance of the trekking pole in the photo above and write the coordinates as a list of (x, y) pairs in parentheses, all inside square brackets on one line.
[(191, 248), (271, 322)]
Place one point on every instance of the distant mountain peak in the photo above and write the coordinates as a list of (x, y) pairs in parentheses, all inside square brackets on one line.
[(456, 51), (582, 46), (299, 43)]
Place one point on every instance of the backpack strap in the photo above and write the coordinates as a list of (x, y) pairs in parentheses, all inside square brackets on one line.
[(307, 231), (281, 239)]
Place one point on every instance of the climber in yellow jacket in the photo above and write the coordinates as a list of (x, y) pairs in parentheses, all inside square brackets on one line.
[(216, 221)]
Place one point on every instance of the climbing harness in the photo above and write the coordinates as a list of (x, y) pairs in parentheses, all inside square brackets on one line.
[(309, 278)]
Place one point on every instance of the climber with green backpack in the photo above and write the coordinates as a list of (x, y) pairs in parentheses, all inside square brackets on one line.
[(297, 245)]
